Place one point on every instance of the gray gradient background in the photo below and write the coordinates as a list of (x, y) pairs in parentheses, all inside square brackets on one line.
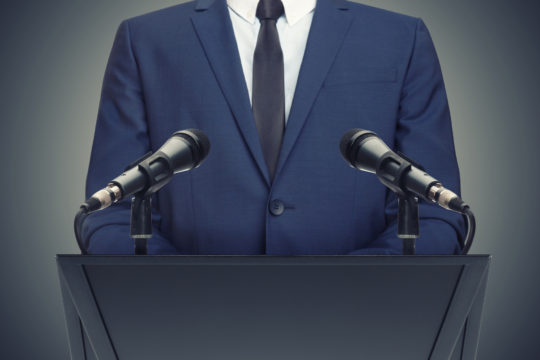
[(53, 56)]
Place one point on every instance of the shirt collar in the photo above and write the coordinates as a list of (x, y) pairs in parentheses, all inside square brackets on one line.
[(294, 9)]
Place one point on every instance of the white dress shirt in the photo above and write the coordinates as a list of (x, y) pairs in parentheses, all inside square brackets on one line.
[(293, 30)]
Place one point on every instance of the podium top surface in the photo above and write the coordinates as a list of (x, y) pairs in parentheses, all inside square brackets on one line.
[(74, 259)]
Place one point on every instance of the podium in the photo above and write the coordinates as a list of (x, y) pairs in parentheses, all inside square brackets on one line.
[(273, 307)]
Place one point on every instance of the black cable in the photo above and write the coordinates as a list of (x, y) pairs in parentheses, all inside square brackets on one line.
[(471, 228), (77, 227)]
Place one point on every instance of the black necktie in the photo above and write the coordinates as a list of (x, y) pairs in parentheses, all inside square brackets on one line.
[(268, 98)]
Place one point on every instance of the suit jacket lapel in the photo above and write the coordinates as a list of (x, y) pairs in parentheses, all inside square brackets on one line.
[(214, 28), (330, 23)]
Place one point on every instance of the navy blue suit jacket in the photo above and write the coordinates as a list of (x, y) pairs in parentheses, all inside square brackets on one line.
[(363, 67)]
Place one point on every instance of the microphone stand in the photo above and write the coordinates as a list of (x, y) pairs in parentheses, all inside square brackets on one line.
[(141, 203), (141, 222), (408, 222)]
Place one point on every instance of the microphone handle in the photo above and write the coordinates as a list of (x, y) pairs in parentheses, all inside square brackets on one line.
[(128, 183), (425, 186), (399, 174)]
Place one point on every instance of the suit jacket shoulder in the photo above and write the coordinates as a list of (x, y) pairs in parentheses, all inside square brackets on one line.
[(165, 15), (379, 14)]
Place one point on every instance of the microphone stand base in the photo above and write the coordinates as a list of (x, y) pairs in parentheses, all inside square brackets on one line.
[(141, 222), (408, 222)]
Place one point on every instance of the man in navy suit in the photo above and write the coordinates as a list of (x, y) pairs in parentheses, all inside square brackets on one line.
[(346, 65)]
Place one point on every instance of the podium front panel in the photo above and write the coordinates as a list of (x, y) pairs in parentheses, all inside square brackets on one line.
[(266, 308)]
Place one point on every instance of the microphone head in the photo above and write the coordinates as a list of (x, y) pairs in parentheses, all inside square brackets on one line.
[(348, 145), (200, 144)]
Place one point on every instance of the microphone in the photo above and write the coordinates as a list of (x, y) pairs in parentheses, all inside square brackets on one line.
[(364, 150), (183, 151)]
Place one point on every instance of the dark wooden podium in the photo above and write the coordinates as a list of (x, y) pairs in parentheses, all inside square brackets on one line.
[(273, 307)]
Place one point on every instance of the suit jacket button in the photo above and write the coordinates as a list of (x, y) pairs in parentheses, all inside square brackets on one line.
[(277, 207)]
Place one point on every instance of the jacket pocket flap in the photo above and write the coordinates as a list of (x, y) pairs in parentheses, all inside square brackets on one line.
[(363, 74)]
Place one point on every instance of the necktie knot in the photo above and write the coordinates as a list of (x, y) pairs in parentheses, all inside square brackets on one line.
[(269, 9)]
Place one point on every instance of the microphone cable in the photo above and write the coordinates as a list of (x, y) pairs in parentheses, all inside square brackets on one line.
[(471, 229), (77, 227)]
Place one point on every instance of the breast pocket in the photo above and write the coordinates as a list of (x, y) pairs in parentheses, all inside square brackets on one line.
[(361, 75)]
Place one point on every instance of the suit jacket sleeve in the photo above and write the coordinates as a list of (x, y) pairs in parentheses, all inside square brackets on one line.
[(121, 136), (424, 133)]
